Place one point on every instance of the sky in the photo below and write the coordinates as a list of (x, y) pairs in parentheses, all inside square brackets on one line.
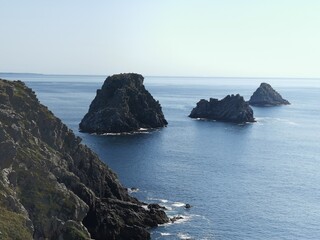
[(230, 38)]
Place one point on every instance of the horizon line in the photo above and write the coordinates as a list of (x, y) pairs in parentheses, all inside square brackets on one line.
[(163, 76)]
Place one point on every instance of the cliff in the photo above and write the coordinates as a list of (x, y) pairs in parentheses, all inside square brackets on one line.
[(230, 109), (52, 186), (122, 105), (265, 95)]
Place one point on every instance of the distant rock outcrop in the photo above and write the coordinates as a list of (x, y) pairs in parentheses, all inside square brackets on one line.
[(265, 95), (230, 109), (122, 105), (52, 186)]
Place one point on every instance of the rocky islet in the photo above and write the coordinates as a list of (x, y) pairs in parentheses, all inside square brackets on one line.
[(232, 108), (265, 95), (123, 105)]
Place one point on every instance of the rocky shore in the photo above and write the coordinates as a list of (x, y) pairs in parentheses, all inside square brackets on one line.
[(265, 95), (123, 105), (52, 186), (233, 108)]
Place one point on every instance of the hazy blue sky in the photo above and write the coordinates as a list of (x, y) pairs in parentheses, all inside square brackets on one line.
[(164, 37)]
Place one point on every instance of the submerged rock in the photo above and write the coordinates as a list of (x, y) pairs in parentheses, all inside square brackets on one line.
[(175, 218), (230, 109), (187, 206), (265, 95), (52, 186), (122, 105)]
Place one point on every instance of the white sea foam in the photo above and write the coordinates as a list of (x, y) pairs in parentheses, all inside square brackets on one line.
[(140, 131), (145, 207), (204, 119), (184, 218), (178, 204), (165, 234), (184, 236), (168, 208), (133, 190), (113, 134), (158, 200)]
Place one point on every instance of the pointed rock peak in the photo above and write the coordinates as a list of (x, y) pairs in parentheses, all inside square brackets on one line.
[(264, 85), (265, 95)]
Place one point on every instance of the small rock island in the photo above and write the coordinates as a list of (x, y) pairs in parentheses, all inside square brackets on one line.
[(265, 95), (230, 109), (123, 105), (52, 186)]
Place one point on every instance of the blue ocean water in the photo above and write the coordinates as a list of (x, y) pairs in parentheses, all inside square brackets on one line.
[(252, 181)]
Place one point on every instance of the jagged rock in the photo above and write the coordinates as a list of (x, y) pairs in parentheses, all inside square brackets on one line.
[(265, 95), (175, 218), (52, 186), (156, 206), (230, 109), (122, 105), (121, 217)]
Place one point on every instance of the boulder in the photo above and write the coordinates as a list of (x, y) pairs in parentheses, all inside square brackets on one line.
[(265, 95), (122, 105), (230, 109)]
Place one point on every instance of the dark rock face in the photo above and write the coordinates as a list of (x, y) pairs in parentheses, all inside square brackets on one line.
[(122, 105), (52, 186), (230, 109), (265, 95)]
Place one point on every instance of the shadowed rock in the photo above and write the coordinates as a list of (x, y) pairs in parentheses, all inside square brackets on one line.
[(122, 105), (52, 186), (230, 109), (265, 95)]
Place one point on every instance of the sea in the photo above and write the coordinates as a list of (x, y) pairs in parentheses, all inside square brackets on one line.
[(244, 181)]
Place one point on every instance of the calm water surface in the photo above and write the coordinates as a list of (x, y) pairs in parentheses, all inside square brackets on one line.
[(254, 181)]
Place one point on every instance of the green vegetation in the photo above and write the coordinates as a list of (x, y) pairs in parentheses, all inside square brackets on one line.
[(13, 226), (74, 233), (41, 195)]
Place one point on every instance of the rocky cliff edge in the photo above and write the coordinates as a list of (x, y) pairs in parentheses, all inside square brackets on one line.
[(52, 186)]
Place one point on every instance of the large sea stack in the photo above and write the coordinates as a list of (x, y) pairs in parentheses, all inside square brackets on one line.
[(122, 105), (52, 186), (265, 95), (230, 109)]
